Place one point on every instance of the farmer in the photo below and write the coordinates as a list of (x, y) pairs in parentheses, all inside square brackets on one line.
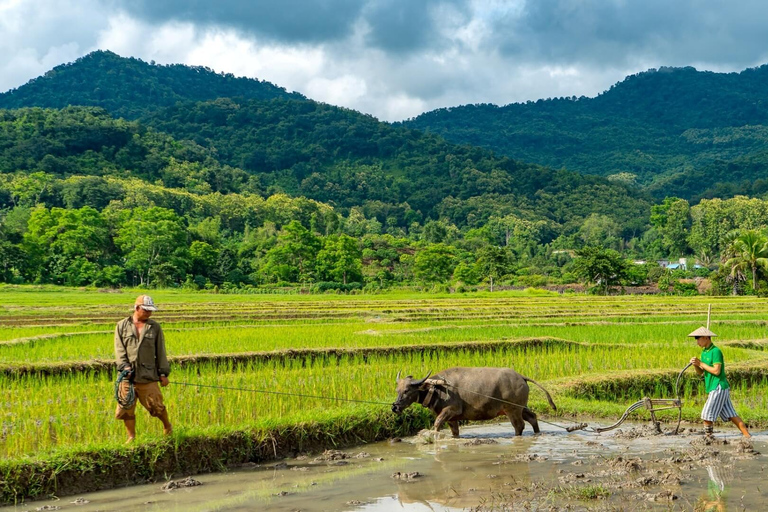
[(712, 366), (140, 349)]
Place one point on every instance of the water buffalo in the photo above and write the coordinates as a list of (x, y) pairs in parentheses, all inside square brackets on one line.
[(471, 394)]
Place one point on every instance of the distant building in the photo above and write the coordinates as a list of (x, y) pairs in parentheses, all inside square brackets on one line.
[(682, 264)]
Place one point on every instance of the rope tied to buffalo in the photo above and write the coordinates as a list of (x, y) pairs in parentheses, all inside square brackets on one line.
[(283, 393), (127, 401), (320, 397)]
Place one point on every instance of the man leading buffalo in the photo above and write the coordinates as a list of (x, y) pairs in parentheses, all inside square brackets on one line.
[(140, 349)]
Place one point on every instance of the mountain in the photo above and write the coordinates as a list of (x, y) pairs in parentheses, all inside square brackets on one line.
[(264, 140), (660, 125), (129, 87), (308, 149)]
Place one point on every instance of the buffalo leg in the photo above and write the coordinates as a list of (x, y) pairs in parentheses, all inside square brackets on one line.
[(445, 415), (516, 418), (454, 424), (530, 417)]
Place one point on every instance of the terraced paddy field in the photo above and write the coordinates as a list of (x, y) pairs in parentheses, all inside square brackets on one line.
[(261, 377)]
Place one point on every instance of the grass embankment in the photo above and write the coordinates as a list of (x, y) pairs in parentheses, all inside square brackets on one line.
[(57, 406), (284, 357), (191, 451)]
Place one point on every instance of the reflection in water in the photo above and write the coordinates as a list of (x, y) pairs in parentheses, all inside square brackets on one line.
[(717, 487), (460, 475)]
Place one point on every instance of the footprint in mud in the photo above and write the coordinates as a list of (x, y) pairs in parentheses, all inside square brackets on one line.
[(174, 484), (479, 441), (406, 477)]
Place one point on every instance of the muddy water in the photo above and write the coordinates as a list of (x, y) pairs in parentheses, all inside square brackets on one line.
[(486, 469)]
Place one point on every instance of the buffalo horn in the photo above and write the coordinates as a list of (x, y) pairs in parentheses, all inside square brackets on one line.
[(420, 382), (398, 375)]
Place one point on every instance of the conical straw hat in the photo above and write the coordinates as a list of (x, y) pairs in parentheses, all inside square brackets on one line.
[(700, 332)]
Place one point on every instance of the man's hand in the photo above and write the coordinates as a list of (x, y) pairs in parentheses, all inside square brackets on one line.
[(164, 380), (695, 362)]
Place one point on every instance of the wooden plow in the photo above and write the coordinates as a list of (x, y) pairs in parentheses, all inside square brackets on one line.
[(654, 405)]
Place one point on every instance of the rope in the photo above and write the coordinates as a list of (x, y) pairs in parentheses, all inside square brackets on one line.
[(580, 426), (129, 400), (281, 393), (569, 429)]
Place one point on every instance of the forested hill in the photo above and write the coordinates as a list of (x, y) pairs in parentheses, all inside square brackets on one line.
[(129, 87), (307, 149), (346, 158), (659, 125)]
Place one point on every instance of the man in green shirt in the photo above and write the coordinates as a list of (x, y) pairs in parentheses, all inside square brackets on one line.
[(712, 366)]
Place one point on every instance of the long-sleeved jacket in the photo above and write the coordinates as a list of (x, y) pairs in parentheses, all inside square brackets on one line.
[(144, 353)]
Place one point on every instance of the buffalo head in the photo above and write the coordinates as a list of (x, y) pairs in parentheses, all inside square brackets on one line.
[(407, 391)]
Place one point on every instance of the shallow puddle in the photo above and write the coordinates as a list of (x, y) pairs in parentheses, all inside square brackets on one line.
[(486, 469)]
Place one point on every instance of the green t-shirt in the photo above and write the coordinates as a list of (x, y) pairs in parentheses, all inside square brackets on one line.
[(711, 356)]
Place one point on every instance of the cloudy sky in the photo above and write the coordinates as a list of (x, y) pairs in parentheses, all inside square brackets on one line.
[(395, 58)]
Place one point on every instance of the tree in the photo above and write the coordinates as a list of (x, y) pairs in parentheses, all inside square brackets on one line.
[(466, 273), (749, 252), (27, 189), (292, 258), (11, 260), (154, 242), (673, 220), (434, 263), (340, 259), (66, 246), (493, 262), (603, 268), (600, 230), (204, 258)]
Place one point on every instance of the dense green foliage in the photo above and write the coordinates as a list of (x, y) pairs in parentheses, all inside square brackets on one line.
[(159, 210), (663, 127), (345, 158), (130, 87), (266, 188)]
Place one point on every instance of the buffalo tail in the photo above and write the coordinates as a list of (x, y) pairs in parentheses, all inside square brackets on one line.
[(549, 398)]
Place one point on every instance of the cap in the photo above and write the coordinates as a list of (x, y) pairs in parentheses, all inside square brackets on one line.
[(701, 332), (145, 302)]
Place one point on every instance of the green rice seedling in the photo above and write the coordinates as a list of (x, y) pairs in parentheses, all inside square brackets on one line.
[(619, 349)]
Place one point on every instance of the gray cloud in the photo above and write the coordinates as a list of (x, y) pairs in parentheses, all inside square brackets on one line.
[(399, 26), (407, 26), (617, 32), (296, 21), (395, 58), (554, 32)]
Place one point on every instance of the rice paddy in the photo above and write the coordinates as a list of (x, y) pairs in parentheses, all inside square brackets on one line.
[(595, 354)]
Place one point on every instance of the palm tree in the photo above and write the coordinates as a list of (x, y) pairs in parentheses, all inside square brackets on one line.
[(748, 252), (705, 258)]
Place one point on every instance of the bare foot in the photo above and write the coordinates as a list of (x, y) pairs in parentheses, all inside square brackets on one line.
[(130, 440), (168, 431)]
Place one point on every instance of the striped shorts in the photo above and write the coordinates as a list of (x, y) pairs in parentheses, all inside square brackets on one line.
[(718, 404)]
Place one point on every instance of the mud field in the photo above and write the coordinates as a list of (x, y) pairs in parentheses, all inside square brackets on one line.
[(486, 469)]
